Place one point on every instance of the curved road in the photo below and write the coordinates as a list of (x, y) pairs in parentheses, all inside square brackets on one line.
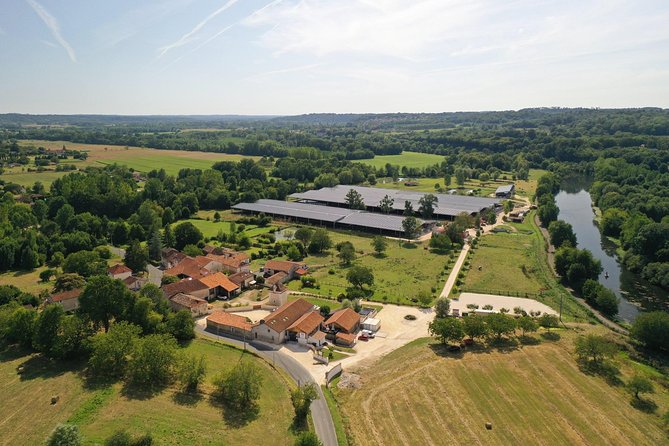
[(320, 413)]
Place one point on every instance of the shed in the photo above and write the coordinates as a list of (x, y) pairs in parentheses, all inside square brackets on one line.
[(371, 324)]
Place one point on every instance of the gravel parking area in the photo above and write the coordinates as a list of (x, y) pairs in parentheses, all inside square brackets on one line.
[(498, 302)]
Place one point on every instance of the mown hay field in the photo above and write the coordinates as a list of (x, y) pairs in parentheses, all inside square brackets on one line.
[(534, 395)]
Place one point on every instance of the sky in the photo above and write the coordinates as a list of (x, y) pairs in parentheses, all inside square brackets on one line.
[(283, 57)]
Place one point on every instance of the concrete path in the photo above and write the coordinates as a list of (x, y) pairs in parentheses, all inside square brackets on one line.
[(453, 276), (320, 413)]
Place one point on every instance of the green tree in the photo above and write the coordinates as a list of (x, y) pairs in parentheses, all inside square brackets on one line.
[(441, 243), (110, 351), (156, 295), (639, 384), (379, 244), (304, 235), (136, 257), (68, 281), (612, 221), (168, 237), (410, 226), (153, 360), (408, 208), (386, 204), (20, 325), (424, 298), (475, 326), (85, 263), (105, 299), (347, 254), (549, 321), (561, 232), (239, 387), (64, 435), (155, 246), (447, 330), (426, 205), (191, 371), (500, 324), (548, 213), (652, 329), (320, 241), (354, 200), (186, 234), (607, 302), (302, 397), (594, 348), (508, 206), (442, 307), (359, 276), (181, 325), (527, 324), (46, 329), (293, 253), (192, 250), (73, 333), (307, 438)]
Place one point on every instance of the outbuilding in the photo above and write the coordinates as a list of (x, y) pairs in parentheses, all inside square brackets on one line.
[(371, 324)]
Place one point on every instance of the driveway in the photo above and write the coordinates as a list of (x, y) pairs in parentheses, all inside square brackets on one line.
[(320, 413)]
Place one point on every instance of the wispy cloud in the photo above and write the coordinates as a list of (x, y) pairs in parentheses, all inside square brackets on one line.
[(189, 35), (2, 31), (51, 23)]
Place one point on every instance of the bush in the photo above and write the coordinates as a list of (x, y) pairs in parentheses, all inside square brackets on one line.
[(652, 329), (64, 435)]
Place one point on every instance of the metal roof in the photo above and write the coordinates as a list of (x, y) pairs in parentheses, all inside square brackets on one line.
[(505, 189), (326, 214), (447, 205)]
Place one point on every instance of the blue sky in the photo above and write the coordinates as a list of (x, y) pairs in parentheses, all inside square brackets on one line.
[(307, 56)]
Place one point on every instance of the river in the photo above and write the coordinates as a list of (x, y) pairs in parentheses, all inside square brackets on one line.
[(635, 294)]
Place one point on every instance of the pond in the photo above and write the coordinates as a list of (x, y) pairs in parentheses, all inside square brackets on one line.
[(635, 294)]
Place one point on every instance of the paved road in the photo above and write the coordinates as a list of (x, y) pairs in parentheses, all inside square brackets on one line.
[(319, 409), (155, 274)]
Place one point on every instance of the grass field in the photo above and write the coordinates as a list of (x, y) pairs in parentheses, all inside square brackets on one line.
[(408, 159), (535, 395), (398, 276), (139, 158), (210, 228), (515, 264), (27, 417)]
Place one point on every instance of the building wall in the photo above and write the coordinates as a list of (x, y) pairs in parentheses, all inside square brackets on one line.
[(262, 332), (226, 329), (122, 276), (278, 298)]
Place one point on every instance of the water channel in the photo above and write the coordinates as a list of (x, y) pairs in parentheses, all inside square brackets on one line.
[(635, 294)]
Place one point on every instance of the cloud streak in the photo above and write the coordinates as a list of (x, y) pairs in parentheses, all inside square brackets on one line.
[(189, 35), (51, 23)]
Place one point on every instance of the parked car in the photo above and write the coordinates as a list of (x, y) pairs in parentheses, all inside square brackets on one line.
[(363, 337), (370, 334)]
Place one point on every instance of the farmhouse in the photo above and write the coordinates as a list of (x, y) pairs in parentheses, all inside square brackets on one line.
[(187, 286), (169, 257), (222, 322), (305, 330), (274, 328), (346, 320), (119, 271), (134, 283), (196, 306), (69, 300), (219, 285), (242, 279), (187, 268), (291, 269), (505, 191)]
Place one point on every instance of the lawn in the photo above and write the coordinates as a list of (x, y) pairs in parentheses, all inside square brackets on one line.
[(408, 159), (515, 264), (399, 275), (27, 281), (419, 394), (211, 228), (172, 418)]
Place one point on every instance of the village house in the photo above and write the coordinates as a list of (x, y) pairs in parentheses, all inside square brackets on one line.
[(134, 283), (306, 330), (219, 285), (276, 279), (196, 306), (188, 268), (346, 320), (222, 322), (170, 257), (187, 286), (119, 271), (291, 269), (69, 300), (273, 328), (242, 279), (278, 295), (237, 263)]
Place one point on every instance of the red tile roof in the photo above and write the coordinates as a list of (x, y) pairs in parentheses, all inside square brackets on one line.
[(307, 323), (283, 265), (276, 278), (219, 279), (119, 268), (184, 286), (348, 338), (66, 295), (240, 277), (230, 320), (286, 315), (345, 319), (187, 267), (187, 300)]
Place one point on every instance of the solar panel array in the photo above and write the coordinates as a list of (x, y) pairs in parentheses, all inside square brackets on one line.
[(447, 205), (326, 214)]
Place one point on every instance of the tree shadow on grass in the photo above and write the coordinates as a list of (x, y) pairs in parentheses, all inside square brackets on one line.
[(298, 426), (135, 391), (187, 398), (551, 336), (644, 405), (604, 369), (504, 345), (39, 366), (443, 350), (529, 340), (12, 352), (235, 417)]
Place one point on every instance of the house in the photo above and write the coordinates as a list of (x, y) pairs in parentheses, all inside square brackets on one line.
[(273, 328), (278, 295), (187, 286), (222, 322), (517, 216), (305, 328), (182, 301), (188, 268), (134, 283), (276, 279), (69, 300), (345, 339), (119, 271), (346, 320), (239, 262), (170, 257), (505, 191), (219, 286), (291, 269), (209, 264), (242, 279)]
